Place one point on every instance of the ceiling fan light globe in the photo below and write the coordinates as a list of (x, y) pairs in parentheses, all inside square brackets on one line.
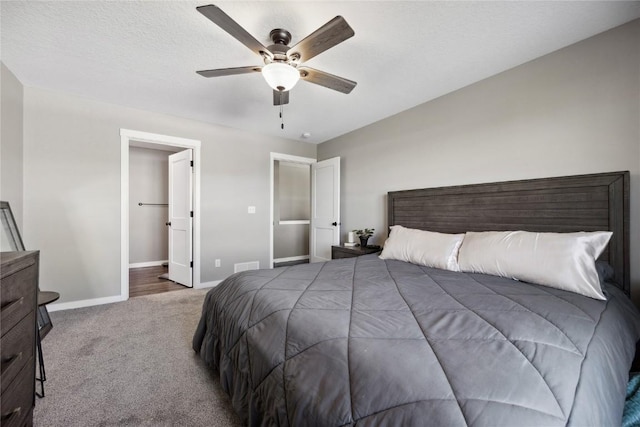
[(280, 76)]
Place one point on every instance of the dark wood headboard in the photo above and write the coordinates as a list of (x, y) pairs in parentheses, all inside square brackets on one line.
[(563, 204)]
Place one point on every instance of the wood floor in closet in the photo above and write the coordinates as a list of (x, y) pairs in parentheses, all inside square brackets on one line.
[(144, 281)]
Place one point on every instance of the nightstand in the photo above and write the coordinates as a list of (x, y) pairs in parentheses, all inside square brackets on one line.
[(352, 251)]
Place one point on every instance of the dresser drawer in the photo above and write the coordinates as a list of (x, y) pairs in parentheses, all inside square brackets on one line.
[(338, 252), (16, 347), (17, 401), (18, 293)]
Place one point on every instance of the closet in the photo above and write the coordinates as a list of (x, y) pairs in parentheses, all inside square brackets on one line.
[(148, 211), (148, 189), (291, 212)]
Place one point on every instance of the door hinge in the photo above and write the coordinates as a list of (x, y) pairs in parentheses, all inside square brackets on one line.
[(191, 163), (191, 264), (191, 214)]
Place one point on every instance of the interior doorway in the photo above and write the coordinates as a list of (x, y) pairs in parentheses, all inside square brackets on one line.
[(157, 147), (160, 218), (323, 221), (291, 212), (290, 209), (148, 244)]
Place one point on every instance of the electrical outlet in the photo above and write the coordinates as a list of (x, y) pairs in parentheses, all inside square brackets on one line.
[(217, 263), (251, 209)]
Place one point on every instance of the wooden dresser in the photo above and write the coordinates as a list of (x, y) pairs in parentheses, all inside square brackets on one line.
[(18, 302)]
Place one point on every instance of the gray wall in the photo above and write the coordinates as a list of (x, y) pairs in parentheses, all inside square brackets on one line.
[(292, 201), (11, 142), (148, 183), (72, 190), (574, 111)]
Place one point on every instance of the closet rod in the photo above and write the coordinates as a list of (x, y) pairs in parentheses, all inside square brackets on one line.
[(153, 204)]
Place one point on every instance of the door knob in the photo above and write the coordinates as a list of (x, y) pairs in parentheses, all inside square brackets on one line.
[(335, 224), (168, 223)]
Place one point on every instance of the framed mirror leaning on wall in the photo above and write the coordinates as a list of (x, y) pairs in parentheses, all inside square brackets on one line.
[(10, 240)]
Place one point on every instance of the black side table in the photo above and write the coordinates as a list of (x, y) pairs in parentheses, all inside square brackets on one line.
[(352, 251), (44, 298)]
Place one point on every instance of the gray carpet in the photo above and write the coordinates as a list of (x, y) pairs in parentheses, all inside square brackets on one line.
[(130, 363)]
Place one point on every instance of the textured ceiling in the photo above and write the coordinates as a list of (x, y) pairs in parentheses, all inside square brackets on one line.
[(144, 54)]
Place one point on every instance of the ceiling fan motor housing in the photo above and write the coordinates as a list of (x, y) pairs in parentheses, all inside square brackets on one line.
[(279, 53), (279, 49), (281, 38)]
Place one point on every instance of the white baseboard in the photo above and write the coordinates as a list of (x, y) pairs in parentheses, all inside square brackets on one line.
[(84, 303), (207, 284), (291, 258), (147, 264), (109, 300)]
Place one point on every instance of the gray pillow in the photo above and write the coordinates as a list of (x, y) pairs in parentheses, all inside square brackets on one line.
[(605, 274), (605, 271)]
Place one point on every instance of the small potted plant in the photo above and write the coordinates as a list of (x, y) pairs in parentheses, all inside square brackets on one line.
[(364, 235)]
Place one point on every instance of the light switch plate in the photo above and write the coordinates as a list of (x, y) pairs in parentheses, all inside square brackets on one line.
[(251, 209)]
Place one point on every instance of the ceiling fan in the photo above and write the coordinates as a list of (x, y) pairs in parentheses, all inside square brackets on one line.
[(282, 64)]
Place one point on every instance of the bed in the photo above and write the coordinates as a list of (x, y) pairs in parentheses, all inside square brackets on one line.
[(372, 342)]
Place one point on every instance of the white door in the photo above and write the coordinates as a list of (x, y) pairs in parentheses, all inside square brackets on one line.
[(325, 209), (180, 217)]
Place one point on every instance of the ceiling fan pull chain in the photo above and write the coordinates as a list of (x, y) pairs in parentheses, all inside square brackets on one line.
[(281, 113)]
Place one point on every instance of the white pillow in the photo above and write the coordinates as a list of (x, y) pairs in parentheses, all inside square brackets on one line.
[(420, 247), (559, 260)]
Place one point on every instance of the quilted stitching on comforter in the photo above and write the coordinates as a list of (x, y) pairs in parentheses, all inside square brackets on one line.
[(371, 342)]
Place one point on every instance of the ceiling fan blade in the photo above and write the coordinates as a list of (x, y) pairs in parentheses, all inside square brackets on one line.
[(228, 71), (224, 21), (327, 80), (280, 98), (330, 34)]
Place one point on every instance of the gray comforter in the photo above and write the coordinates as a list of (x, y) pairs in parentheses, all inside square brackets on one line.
[(385, 343)]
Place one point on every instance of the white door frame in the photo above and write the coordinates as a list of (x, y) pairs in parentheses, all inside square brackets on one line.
[(284, 158), (126, 137)]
